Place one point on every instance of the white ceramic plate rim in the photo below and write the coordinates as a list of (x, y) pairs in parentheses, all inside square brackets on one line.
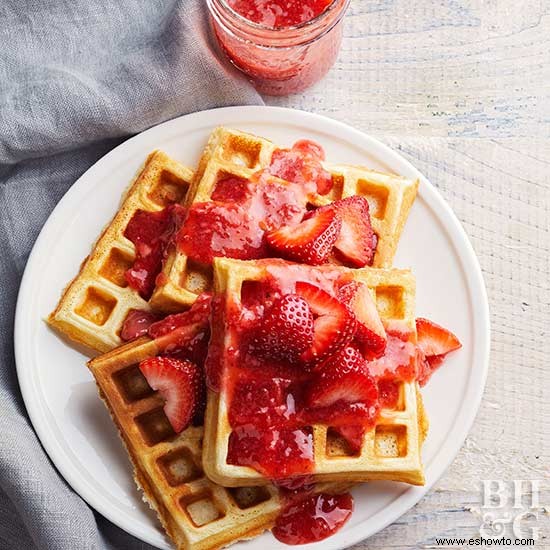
[(233, 115)]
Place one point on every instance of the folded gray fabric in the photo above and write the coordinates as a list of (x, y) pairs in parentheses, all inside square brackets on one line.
[(76, 78)]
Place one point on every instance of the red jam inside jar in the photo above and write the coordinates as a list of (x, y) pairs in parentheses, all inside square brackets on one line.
[(280, 13), (284, 46)]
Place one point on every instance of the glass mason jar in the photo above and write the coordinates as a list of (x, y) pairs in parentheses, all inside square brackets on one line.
[(280, 60)]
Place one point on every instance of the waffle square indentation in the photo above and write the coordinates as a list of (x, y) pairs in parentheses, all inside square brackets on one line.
[(169, 189), (390, 441), (242, 151), (154, 426), (389, 301), (202, 509), (97, 306), (377, 195), (337, 186), (115, 267), (179, 467), (248, 497), (337, 446), (132, 385), (196, 278)]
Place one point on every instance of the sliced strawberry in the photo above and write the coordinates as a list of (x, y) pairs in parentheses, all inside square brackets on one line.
[(310, 242), (137, 324), (186, 333), (285, 331), (179, 383), (433, 339), (343, 378), (434, 343), (198, 314), (334, 326), (370, 334), (426, 366), (353, 434), (356, 242)]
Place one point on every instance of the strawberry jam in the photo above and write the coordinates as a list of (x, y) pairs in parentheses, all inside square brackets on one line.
[(288, 364), (298, 348), (302, 164), (277, 453), (236, 228), (283, 46), (279, 13), (234, 223), (151, 233), (312, 518), (137, 324)]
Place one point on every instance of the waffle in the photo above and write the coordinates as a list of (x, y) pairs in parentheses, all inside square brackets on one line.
[(195, 512), (93, 307), (391, 450), (234, 153)]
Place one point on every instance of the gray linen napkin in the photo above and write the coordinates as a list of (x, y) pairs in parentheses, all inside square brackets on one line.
[(76, 78)]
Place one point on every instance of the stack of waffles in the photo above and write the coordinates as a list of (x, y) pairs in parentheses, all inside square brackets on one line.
[(201, 499)]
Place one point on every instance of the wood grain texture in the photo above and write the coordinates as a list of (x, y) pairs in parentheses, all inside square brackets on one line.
[(462, 89)]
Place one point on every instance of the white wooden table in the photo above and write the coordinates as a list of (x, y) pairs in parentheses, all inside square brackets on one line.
[(462, 89)]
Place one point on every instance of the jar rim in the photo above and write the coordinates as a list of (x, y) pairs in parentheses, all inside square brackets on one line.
[(261, 26)]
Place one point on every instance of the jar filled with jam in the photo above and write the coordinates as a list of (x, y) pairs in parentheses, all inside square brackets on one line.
[(283, 46)]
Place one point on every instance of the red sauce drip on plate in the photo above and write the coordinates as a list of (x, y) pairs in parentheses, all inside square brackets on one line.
[(279, 13), (313, 518)]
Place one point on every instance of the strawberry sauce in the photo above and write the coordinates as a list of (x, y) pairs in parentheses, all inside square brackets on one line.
[(277, 388), (235, 228), (279, 13), (234, 223), (312, 518), (151, 233)]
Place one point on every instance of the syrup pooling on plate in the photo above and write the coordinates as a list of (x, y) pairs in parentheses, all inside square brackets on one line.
[(279, 13)]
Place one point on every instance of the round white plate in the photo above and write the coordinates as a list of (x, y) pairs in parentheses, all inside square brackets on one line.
[(59, 391)]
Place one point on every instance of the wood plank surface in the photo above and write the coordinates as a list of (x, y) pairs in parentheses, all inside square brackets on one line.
[(462, 89)]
